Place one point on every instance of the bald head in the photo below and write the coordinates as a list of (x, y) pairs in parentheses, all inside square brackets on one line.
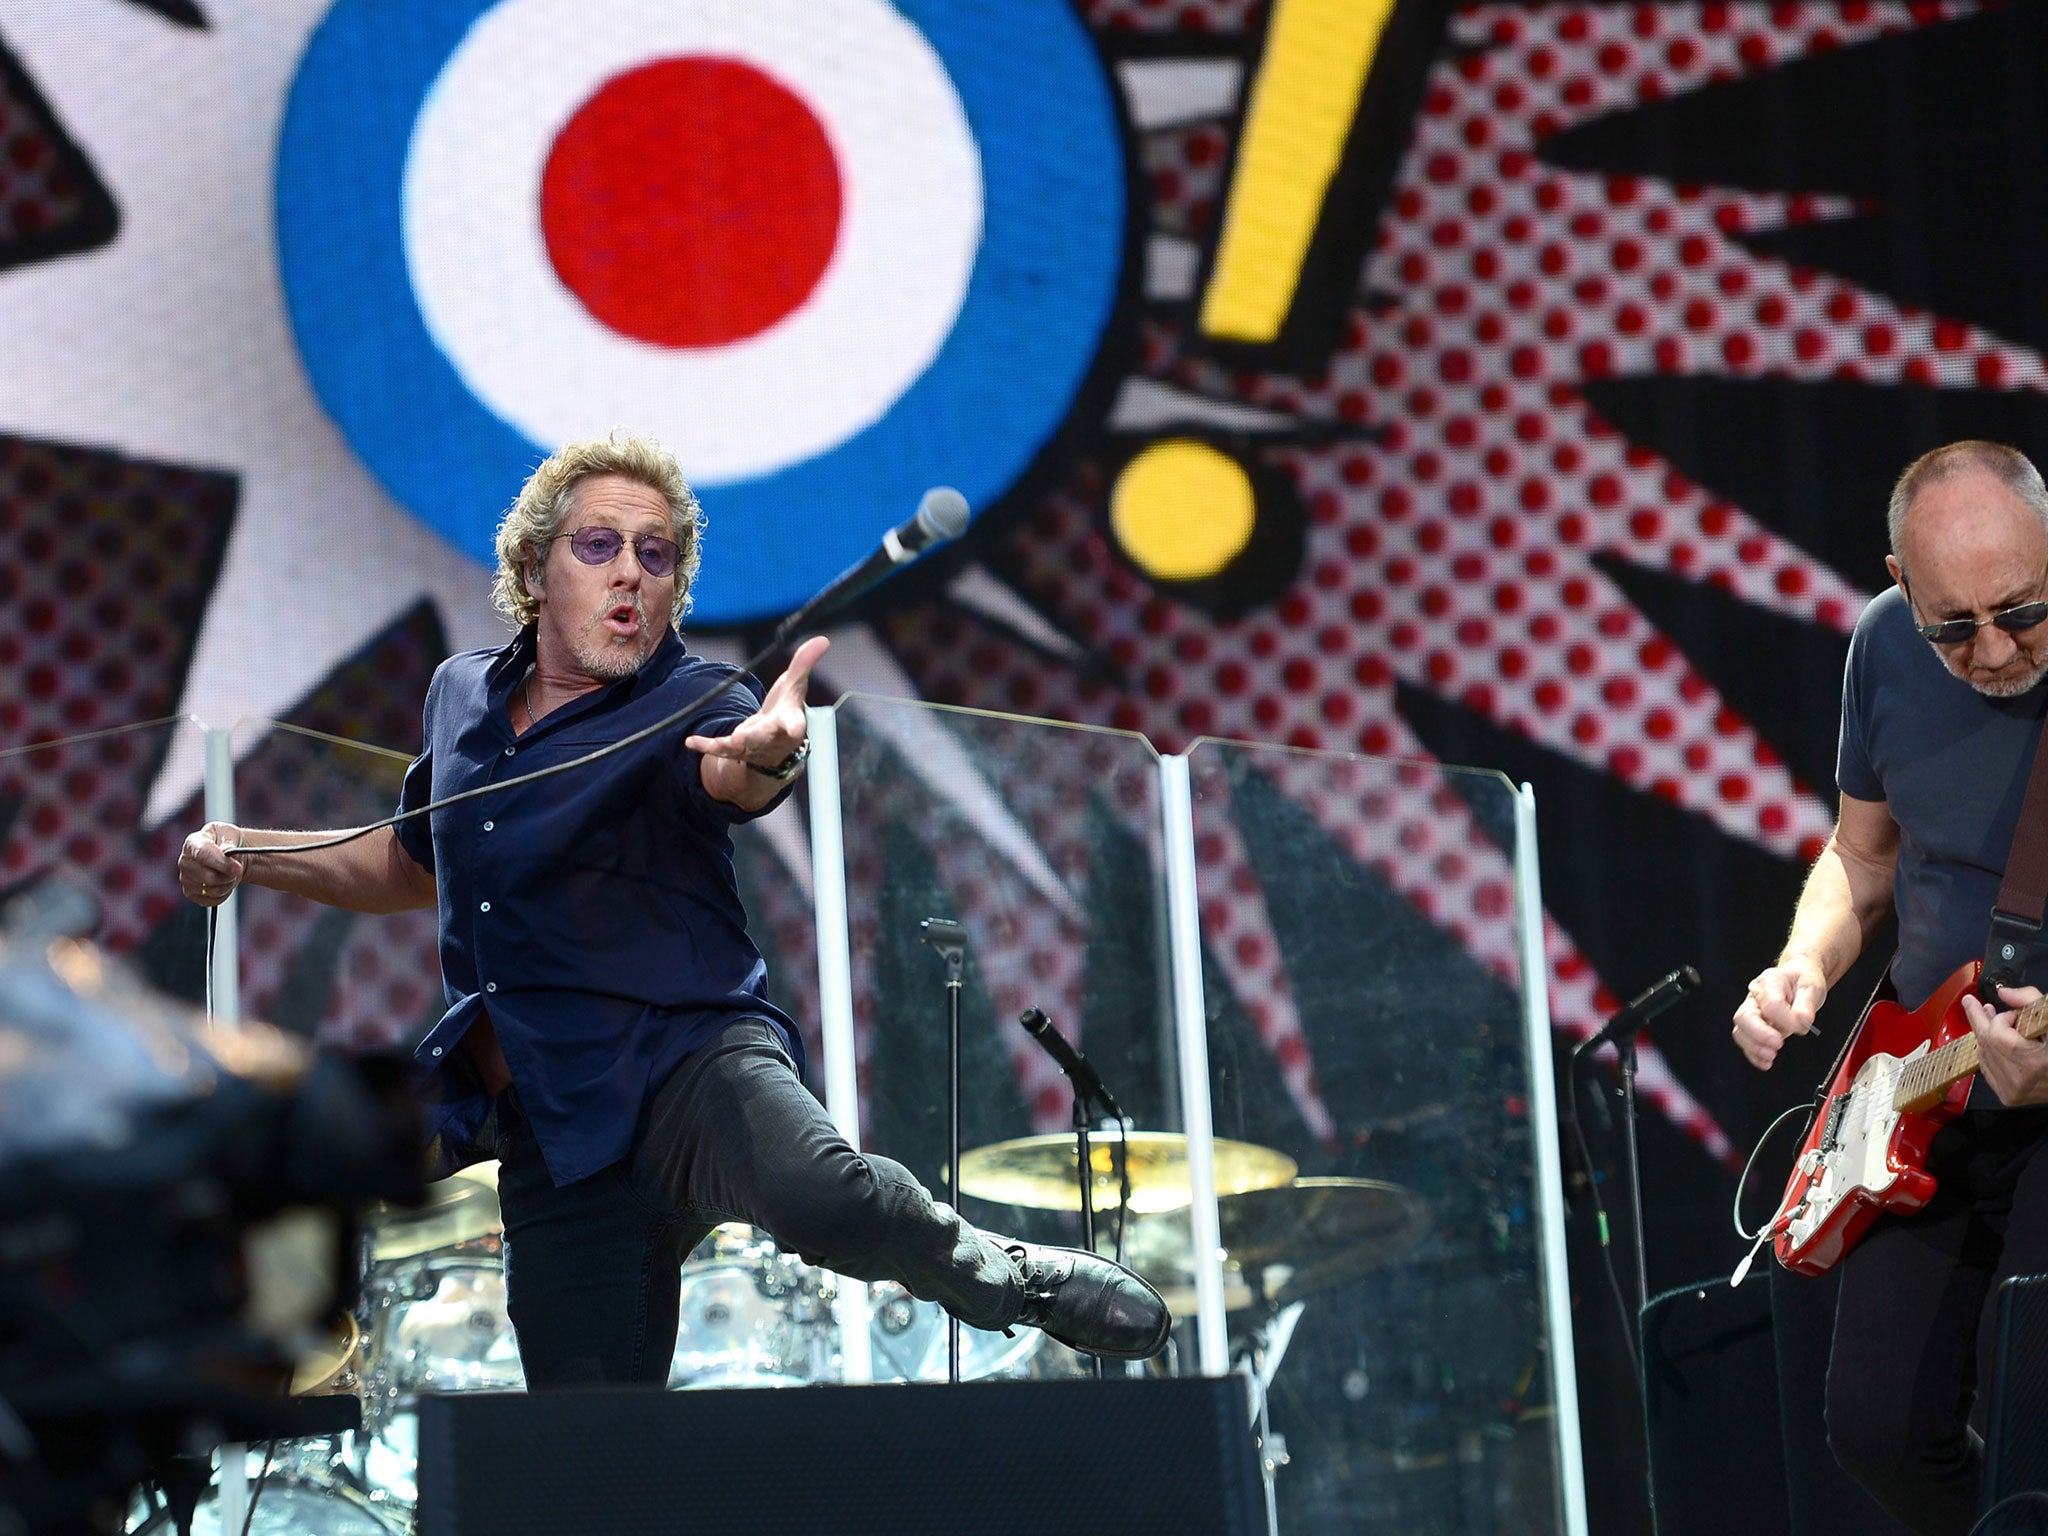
[(1968, 543), (2011, 468)]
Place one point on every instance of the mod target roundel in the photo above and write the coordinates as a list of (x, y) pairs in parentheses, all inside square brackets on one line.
[(832, 252)]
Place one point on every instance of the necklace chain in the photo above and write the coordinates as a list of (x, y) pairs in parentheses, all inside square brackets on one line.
[(526, 697)]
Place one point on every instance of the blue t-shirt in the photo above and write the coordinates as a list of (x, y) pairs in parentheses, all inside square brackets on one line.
[(594, 913), (1951, 765)]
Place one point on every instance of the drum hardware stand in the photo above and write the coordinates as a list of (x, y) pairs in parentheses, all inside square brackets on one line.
[(949, 938), (1264, 1351)]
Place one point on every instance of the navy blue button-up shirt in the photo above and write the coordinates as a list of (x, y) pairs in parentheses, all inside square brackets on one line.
[(593, 914)]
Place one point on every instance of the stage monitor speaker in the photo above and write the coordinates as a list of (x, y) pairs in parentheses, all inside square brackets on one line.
[(2016, 1442), (1716, 1460), (1142, 1458)]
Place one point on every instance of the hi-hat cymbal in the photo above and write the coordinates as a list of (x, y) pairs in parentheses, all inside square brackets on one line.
[(1288, 1241), (1039, 1171), (455, 1210)]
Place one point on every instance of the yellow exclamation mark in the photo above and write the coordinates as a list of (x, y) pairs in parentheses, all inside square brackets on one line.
[(1299, 116)]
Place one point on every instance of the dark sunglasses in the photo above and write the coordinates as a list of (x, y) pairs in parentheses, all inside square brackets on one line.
[(595, 545), (2014, 621)]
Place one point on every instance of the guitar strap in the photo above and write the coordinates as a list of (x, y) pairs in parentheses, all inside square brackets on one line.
[(2016, 915)]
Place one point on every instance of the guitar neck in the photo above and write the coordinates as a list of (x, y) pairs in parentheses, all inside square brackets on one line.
[(1928, 1078)]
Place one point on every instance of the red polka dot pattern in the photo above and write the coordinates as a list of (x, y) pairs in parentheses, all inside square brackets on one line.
[(1173, 15), (1186, 170)]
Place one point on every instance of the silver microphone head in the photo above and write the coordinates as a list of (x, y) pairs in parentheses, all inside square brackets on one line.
[(942, 514)]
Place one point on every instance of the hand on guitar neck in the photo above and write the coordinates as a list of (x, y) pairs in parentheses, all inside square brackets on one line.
[(2014, 1067)]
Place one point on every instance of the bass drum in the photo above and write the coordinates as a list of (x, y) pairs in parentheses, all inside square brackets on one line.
[(907, 1340), (438, 1323), (750, 1316), (288, 1504)]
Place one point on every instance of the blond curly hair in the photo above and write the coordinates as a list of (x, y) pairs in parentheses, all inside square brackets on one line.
[(544, 504)]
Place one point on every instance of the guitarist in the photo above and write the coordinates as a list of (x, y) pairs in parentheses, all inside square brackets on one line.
[(1942, 707)]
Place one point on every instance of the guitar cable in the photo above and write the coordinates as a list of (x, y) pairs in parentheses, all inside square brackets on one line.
[(1762, 1234), (942, 515)]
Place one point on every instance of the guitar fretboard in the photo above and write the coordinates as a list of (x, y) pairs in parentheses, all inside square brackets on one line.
[(1927, 1079)]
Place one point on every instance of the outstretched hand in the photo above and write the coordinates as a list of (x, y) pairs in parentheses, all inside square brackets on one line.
[(766, 738)]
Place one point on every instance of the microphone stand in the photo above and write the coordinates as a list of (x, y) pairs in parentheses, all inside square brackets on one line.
[(1622, 1030), (950, 940), (1625, 1055)]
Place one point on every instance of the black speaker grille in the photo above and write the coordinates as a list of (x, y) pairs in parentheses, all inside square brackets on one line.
[(2016, 1447), (1143, 1458)]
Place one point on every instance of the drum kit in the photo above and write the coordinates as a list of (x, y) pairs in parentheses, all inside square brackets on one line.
[(432, 1317)]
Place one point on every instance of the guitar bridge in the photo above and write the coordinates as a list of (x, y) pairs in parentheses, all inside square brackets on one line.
[(1833, 1120)]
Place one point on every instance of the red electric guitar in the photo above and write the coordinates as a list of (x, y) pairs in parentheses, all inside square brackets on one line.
[(1905, 1075)]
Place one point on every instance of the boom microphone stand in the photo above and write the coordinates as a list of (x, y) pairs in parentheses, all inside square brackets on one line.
[(1621, 1031)]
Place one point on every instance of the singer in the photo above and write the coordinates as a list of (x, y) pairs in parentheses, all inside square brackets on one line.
[(1941, 719), (609, 1036)]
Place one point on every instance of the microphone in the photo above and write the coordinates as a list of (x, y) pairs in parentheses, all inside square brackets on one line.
[(1645, 1006), (1068, 1060), (941, 516)]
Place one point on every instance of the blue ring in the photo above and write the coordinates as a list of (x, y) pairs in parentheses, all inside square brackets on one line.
[(1041, 295)]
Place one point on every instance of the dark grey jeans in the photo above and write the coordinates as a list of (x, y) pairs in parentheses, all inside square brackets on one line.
[(593, 1270)]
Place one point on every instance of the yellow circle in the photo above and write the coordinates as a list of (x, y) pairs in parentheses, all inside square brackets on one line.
[(1182, 511)]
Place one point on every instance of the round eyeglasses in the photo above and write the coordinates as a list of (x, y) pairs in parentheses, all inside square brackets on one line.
[(595, 544)]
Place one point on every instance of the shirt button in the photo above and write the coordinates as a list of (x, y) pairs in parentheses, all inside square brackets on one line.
[(490, 986), (485, 907), (437, 1050), (490, 826), (510, 750)]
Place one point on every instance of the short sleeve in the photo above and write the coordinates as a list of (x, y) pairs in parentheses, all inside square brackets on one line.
[(413, 834), (1855, 769)]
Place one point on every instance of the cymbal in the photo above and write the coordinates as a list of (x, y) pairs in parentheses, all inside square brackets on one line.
[(1039, 1171), (455, 1210), (327, 1365), (1288, 1241)]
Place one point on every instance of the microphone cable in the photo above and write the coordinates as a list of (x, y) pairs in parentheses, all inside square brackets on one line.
[(941, 517)]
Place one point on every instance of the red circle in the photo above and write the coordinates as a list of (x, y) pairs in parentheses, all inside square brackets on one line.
[(691, 202)]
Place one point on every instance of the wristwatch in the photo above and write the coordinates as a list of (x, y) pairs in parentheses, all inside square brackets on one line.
[(789, 767)]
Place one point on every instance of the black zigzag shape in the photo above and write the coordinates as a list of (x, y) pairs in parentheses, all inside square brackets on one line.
[(184, 13), (88, 218), (1943, 129)]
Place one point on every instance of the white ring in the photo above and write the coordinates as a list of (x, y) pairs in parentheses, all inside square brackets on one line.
[(911, 200)]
